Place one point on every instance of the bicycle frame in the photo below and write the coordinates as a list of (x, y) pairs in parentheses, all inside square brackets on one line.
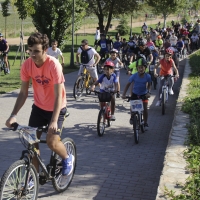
[(165, 88), (86, 75)]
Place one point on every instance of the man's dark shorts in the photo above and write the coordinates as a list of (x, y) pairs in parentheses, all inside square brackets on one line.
[(40, 117)]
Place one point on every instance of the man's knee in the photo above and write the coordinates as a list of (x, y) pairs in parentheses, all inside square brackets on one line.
[(52, 140)]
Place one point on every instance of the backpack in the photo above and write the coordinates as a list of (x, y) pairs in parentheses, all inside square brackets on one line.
[(85, 58)]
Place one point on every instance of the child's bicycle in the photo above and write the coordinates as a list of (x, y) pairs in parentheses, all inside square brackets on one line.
[(104, 117), (165, 92), (21, 180), (83, 81), (136, 108), (3, 64)]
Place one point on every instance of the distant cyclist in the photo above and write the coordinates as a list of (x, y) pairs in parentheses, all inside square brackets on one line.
[(4, 48), (141, 87), (88, 56), (108, 83), (104, 46), (166, 64)]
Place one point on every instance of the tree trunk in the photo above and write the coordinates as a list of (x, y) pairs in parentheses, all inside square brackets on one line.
[(5, 26), (109, 17), (165, 18), (101, 26)]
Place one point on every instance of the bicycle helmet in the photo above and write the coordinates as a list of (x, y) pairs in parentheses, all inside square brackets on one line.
[(152, 48), (142, 42), (169, 51), (109, 64), (113, 51), (1, 35), (159, 37), (141, 62)]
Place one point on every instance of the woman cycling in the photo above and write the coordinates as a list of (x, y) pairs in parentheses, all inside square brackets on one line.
[(166, 64), (108, 83), (141, 87)]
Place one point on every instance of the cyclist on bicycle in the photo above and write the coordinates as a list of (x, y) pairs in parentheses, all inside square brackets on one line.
[(104, 46), (117, 63), (159, 43), (4, 48), (141, 87), (108, 83), (89, 57), (166, 64), (49, 106)]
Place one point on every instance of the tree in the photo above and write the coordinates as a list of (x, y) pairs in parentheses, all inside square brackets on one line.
[(53, 17), (166, 7), (5, 13), (107, 9), (123, 27)]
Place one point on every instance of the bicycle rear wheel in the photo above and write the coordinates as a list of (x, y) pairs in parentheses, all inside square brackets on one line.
[(61, 183), (78, 87), (163, 101), (13, 182), (101, 123), (136, 127)]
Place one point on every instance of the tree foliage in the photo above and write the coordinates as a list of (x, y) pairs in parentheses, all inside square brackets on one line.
[(5, 8), (24, 8), (54, 17), (166, 7), (123, 27), (105, 9)]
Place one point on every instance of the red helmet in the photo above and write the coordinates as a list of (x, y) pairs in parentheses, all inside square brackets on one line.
[(109, 64), (169, 51)]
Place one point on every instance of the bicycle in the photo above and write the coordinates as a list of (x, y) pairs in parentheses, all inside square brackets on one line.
[(104, 56), (3, 65), (83, 81), (136, 107), (104, 115), (20, 180), (165, 92)]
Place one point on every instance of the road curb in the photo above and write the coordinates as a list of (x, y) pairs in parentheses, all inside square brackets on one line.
[(174, 169)]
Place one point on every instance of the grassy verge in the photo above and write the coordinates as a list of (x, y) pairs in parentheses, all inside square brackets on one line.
[(191, 190)]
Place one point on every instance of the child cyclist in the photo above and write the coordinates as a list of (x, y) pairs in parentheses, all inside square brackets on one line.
[(117, 63), (166, 65), (141, 87), (108, 83)]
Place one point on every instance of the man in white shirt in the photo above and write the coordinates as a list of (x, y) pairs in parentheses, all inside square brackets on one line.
[(194, 41), (173, 39), (55, 52), (97, 37), (88, 56)]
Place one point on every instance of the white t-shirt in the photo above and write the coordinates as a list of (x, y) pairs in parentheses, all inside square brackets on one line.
[(115, 62), (173, 40), (53, 53), (91, 54), (97, 35)]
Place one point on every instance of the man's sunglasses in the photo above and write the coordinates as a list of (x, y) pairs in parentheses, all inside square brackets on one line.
[(83, 45)]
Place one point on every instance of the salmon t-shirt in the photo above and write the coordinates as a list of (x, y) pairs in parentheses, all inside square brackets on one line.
[(43, 80), (166, 67)]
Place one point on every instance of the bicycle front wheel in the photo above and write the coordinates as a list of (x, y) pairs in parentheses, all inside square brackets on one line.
[(78, 87), (61, 183), (13, 182), (136, 127), (101, 123), (163, 101)]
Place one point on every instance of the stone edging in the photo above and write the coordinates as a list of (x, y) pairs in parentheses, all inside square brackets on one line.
[(174, 170)]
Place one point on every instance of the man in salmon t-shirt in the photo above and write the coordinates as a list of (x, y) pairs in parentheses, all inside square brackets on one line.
[(49, 106), (166, 64)]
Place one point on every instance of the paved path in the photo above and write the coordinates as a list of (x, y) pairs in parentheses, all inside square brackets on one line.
[(110, 167)]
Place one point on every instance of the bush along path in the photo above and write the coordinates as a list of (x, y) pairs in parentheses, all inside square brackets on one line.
[(190, 190)]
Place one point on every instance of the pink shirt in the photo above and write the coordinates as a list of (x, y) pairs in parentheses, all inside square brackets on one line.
[(43, 80), (150, 44)]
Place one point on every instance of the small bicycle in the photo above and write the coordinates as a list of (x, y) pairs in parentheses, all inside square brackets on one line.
[(21, 180), (83, 81), (104, 115), (3, 65), (136, 107), (100, 65), (165, 92)]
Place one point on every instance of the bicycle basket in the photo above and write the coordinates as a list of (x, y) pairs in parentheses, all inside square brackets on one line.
[(104, 97), (136, 105), (28, 136)]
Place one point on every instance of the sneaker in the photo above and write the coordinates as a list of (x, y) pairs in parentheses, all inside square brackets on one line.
[(146, 126), (112, 118), (158, 103), (118, 95), (171, 91), (30, 183), (67, 165), (8, 71)]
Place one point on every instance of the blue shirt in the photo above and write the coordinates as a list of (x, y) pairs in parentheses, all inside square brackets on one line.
[(107, 85), (180, 44), (139, 87), (155, 55), (3, 46), (117, 45)]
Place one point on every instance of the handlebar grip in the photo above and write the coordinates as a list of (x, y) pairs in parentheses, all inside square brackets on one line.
[(14, 126)]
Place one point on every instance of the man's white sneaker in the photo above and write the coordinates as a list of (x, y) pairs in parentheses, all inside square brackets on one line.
[(171, 91), (112, 118), (158, 103)]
